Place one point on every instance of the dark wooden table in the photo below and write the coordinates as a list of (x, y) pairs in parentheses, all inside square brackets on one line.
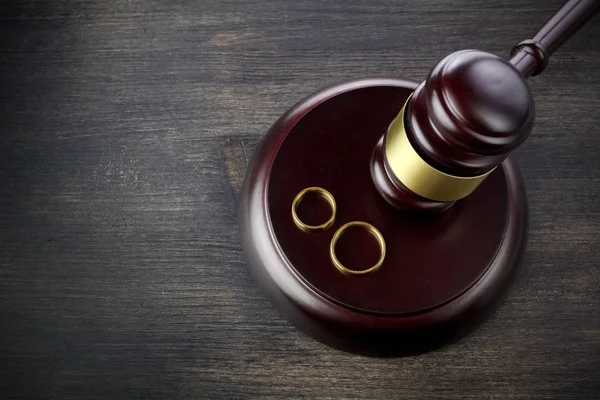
[(125, 128)]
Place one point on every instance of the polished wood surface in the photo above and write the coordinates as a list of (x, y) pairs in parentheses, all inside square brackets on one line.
[(125, 127)]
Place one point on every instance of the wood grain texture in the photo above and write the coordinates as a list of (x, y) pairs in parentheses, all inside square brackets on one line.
[(121, 271)]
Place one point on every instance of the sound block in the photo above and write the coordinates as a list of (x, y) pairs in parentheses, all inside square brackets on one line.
[(442, 273)]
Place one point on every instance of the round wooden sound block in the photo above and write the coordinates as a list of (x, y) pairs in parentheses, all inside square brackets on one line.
[(442, 274)]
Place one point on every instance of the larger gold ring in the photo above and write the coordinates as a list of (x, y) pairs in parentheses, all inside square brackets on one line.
[(299, 223), (373, 231)]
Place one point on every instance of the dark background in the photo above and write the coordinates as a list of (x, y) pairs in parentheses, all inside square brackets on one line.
[(125, 128)]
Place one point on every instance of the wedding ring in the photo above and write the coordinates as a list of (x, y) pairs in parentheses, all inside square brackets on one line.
[(322, 192), (371, 230)]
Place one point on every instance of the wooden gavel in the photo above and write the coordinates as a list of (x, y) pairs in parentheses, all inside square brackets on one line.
[(473, 109)]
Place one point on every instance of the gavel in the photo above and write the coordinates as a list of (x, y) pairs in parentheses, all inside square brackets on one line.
[(388, 216), (473, 109)]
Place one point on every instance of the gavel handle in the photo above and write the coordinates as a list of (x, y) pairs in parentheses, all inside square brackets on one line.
[(530, 56)]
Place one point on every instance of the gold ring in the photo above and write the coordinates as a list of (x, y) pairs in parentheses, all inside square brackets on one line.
[(327, 197), (373, 231)]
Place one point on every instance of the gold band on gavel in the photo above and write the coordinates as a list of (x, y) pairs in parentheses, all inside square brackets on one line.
[(417, 175)]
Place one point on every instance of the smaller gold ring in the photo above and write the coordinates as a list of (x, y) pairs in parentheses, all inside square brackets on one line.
[(373, 231), (327, 197)]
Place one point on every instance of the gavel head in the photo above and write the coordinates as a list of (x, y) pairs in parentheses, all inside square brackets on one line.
[(473, 109)]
